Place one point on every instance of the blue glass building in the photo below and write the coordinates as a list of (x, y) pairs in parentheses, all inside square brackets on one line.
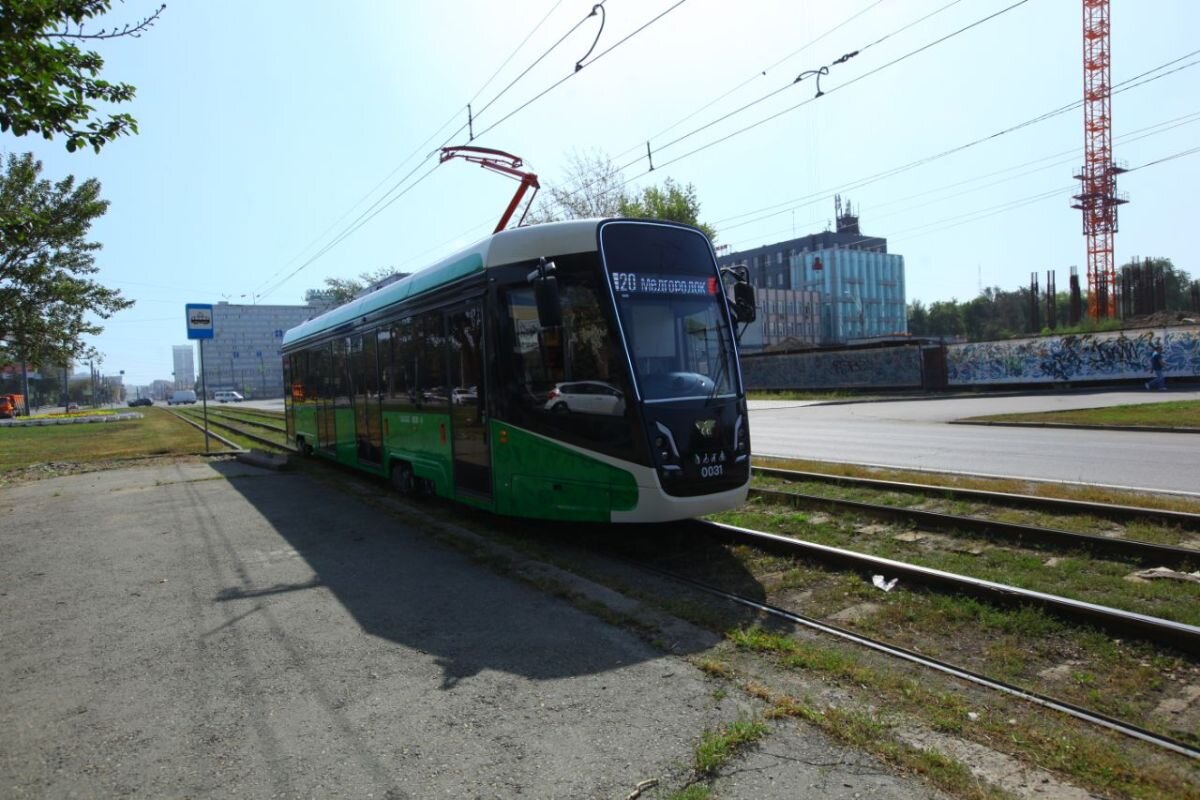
[(858, 283)]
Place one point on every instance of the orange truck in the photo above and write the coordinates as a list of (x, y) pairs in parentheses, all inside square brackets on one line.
[(11, 405)]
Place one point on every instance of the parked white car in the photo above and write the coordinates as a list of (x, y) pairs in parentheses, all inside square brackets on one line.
[(182, 397), (228, 397), (586, 397)]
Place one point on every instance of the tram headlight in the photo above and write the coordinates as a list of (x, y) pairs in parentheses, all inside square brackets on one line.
[(665, 449)]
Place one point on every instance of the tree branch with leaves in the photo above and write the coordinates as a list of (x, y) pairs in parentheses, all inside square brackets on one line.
[(47, 83)]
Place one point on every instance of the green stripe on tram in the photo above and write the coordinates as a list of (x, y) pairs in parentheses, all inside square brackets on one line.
[(538, 477)]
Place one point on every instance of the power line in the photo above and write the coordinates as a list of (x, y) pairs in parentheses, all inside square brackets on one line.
[(841, 86), (348, 232), (421, 148), (1010, 205), (743, 108), (769, 95), (1129, 137), (513, 54), (578, 68), (755, 76), (379, 205), (1126, 85)]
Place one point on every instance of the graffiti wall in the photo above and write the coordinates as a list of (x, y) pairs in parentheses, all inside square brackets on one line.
[(1095, 356), (887, 367)]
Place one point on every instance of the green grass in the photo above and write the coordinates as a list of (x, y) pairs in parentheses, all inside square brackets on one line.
[(761, 394), (1093, 494), (1174, 414), (157, 433), (718, 747)]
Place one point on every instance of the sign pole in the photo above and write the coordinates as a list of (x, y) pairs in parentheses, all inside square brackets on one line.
[(204, 394), (200, 326)]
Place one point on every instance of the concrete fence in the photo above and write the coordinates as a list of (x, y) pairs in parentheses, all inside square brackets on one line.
[(1076, 359)]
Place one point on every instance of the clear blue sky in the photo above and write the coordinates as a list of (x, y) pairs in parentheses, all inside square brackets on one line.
[(263, 123)]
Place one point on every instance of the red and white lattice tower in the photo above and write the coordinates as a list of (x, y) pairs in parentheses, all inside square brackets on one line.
[(1098, 198)]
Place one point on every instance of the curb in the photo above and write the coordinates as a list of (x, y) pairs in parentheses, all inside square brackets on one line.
[(1075, 426)]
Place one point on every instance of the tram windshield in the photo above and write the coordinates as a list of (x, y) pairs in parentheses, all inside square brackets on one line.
[(671, 305)]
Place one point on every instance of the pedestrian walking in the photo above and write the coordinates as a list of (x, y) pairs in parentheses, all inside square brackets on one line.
[(1156, 366)]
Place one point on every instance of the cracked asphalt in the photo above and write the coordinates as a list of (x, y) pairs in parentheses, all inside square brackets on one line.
[(202, 629)]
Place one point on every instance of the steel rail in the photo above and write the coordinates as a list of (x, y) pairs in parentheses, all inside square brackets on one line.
[(1026, 535), (216, 419), (237, 447), (1108, 510), (1046, 701), (1177, 635), (232, 415)]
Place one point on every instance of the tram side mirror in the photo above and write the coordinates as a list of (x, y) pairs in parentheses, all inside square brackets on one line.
[(545, 294), (744, 306)]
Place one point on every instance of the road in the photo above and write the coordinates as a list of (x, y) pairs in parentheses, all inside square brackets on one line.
[(916, 434)]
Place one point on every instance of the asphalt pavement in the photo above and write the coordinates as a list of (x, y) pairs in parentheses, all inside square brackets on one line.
[(200, 629), (916, 434)]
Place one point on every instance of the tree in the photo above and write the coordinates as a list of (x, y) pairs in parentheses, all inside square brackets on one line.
[(342, 290), (592, 187), (47, 81), (671, 202), (918, 319), (45, 298), (945, 318)]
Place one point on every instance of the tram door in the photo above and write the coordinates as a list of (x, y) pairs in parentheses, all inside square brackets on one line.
[(322, 366), (468, 403), (368, 428)]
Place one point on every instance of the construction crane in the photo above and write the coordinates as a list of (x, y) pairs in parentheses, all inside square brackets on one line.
[(1098, 198), (505, 164)]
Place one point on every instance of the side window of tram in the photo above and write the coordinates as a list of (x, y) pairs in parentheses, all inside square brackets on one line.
[(431, 363)]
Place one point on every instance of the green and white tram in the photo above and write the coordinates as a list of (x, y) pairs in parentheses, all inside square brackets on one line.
[(581, 370)]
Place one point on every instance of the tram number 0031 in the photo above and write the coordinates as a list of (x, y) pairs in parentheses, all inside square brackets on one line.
[(712, 470)]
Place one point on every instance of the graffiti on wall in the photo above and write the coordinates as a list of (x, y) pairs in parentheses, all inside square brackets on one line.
[(887, 367), (1082, 357)]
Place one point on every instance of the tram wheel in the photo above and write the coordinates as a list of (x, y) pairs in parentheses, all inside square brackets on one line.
[(403, 479)]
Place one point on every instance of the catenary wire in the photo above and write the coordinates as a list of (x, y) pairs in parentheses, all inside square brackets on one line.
[(769, 95), (752, 78), (1131, 136), (1125, 85), (579, 69), (421, 148), (851, 82)]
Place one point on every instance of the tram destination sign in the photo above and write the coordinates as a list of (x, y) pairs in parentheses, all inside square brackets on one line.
[(199, 320), (643, 283)]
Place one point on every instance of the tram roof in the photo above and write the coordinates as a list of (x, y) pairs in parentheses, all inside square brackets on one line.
[(506, 247)]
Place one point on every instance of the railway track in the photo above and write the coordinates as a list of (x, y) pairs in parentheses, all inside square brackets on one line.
[(1176, 635), (241, 417), (1034, 536), (218, 420), (1117, 513), (1166, 632), (1163, 628)]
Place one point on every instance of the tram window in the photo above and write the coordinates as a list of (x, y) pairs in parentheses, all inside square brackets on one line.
[(340, 373), (567, 382), (431, 370), (297, 380)]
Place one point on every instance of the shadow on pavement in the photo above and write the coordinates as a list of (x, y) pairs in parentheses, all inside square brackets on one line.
[(400, 585)]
